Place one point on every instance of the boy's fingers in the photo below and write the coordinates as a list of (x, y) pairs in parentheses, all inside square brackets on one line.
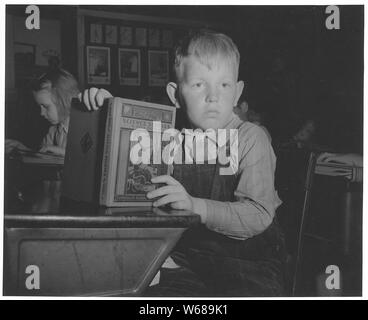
[(86, 99), (165, 179), (178, 205), (173, 197), (92, 98), (106, 93), (162, 191), (79, 96), (100, 97)]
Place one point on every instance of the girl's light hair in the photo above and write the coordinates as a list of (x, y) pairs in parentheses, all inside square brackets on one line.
[(208, 47), (63, 87)]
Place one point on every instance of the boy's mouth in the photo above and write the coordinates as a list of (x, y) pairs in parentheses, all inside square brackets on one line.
[(212, 113)]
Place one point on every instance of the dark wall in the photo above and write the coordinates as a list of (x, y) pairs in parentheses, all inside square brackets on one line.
[(293, 66)]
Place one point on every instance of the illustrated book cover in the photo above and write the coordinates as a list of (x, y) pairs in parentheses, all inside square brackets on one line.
[(124, 183)]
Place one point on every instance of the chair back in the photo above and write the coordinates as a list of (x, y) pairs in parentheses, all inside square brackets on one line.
[(293, 181)]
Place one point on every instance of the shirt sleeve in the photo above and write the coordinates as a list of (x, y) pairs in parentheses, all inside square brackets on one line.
[(256, 198)]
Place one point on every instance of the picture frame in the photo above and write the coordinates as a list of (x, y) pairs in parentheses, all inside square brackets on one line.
[(167, 38), (126, 36), (154, 37), (141, 37), (129, 67), (98, 65), (158, 68), (111, 34), (95, 33), (24, 54)]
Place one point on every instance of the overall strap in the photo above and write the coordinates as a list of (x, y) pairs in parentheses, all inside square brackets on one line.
[(223, 186)]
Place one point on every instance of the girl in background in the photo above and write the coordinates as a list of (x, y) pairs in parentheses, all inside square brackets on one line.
[(53, 92)]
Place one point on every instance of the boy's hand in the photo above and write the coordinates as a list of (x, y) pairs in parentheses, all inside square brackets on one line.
[(178, 198), (174, 194), (93, 98)]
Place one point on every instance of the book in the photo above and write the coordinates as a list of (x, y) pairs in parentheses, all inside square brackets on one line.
[(124, 183), (333, 169), (83, 154)]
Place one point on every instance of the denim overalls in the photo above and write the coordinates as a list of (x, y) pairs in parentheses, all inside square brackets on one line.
[(213, 264)]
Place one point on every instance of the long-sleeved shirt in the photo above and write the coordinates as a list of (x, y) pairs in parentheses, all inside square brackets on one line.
[(256, 198)]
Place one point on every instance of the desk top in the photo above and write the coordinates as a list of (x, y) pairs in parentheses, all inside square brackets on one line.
[(106, 218), (40, 205)]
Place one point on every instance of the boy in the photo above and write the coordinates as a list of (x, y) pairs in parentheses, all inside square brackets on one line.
[(238, 249)]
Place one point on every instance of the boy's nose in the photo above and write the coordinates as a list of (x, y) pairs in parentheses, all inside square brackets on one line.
[(212, 94)]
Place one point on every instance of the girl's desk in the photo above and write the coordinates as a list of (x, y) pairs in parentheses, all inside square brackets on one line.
[(52, 248)]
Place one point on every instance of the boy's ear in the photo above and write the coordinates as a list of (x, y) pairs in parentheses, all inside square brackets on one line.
[(171, 90), (239, 90)]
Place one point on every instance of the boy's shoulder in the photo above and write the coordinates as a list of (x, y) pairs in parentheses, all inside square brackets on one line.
[(250, 131), (251, 135)]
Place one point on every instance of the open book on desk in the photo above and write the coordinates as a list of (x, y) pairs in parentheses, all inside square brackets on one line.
[(40, 158)]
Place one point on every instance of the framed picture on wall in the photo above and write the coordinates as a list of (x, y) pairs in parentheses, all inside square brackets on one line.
[(154, 37), (158, 68), (141, 37), (98, 65), (24, 54), (126, 36), (95, 33), (111, 34), (130, 67), (167, 38)]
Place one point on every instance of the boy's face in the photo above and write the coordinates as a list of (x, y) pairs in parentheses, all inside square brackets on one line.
[(208, 94), (48, 108)]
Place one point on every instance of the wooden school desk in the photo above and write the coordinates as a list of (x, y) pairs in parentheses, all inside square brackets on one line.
[(84, 250)]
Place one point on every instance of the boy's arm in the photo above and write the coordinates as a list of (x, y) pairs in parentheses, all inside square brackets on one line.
[(256, 197)]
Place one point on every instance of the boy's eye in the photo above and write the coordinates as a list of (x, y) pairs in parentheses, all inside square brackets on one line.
[(197, 85), (226, 85)]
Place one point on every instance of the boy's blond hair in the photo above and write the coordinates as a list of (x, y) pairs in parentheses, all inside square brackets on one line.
[(205, 45)]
